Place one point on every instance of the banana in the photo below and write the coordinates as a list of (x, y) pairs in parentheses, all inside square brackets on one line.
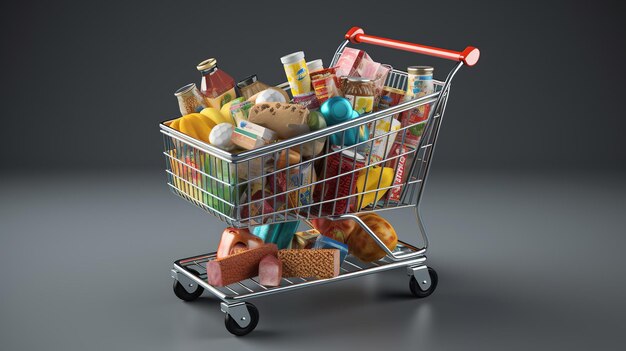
[(196, 126), (214, 115), (175, 124)]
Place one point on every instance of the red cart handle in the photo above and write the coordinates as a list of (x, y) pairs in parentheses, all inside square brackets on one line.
[(469, 56)]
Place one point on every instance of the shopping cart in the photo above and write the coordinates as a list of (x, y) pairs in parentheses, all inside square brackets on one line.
[(221, 183)]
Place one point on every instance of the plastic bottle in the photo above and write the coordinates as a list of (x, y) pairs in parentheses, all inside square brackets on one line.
[(297, 73)]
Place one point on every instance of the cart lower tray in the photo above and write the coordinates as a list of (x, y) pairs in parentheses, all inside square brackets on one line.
[(193, 269)]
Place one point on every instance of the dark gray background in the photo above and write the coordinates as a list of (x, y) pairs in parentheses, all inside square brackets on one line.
[(85, 83), (524, 206)]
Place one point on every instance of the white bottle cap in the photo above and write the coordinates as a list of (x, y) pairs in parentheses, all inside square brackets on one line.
[(292, 58), (315, 65)]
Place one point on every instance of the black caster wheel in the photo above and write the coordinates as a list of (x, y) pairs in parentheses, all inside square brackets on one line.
[(417, 291), (235, 329), (183, 294)]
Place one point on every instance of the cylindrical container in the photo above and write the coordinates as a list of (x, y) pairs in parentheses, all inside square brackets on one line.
[(217, 86), (390, 97), (189, 99), (250, 86), (297, 73), (346, 165), (419, 83), (360, 92), (315, 65)]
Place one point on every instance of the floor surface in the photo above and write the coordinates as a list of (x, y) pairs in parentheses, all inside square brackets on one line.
[(524, 261)]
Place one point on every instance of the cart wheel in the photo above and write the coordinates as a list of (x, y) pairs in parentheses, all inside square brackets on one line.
[(417, 291), (235, 329), (183, 294)]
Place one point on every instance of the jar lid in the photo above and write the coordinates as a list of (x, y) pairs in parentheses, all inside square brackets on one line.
[(185, 89), (292, 58), (359, 79), (315, 65), (247, 81), (419, 70), (207, 64)]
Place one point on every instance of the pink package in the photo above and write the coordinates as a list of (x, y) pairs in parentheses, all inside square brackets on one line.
[(348, 62)]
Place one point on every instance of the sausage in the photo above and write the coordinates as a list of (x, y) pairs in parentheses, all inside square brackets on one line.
[(239, 266), (270, 271), (236, 240)]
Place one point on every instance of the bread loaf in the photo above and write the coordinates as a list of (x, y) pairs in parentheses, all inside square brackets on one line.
[(317, 263), (287, 120), (239, 266)]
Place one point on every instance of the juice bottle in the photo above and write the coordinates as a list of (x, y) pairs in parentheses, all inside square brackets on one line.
[(217, 87)]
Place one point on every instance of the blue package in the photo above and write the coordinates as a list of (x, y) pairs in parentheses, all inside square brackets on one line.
[(324, 242), (280, 234)]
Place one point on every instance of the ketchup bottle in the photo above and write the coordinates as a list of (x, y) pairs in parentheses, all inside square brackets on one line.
[(217, 87)]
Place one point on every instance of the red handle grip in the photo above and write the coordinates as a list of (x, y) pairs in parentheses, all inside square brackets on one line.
[(469, 56)]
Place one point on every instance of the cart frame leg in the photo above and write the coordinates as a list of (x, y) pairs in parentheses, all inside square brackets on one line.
[(187, 283), (421, 275), (239, 312)]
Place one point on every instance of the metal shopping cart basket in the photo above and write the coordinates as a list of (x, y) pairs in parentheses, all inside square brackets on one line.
[(220, 183)]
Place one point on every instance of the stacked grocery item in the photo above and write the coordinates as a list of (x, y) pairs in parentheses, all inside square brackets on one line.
[(312, 254)]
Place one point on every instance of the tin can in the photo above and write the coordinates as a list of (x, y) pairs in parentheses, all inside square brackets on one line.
[(390, 97), (419, 83), (346, 165)]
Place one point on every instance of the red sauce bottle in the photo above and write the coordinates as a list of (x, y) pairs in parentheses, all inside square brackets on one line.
[(217, 87)]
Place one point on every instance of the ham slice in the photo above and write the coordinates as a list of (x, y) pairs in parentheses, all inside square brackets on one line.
[(235, 240), (270, 271), (239, 266)]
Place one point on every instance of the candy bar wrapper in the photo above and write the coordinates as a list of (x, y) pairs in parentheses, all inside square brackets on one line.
[(402, 163), (305, 240)]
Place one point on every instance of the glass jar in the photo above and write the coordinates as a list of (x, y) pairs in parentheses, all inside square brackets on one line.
[(419, 83), (251, 86), (189, 99), (218, 88), (360, 92)]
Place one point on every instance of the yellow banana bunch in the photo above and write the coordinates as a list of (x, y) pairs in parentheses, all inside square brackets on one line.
[(196, 125)]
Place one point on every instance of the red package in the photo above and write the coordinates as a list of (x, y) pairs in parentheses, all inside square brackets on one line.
[(401, 171), (339, 187)]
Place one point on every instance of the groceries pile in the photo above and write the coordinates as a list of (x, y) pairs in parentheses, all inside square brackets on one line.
[(345, 172), (318, 253), (249, 114)]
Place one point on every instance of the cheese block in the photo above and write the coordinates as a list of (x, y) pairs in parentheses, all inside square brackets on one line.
[(239, 266), (304, 263)]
